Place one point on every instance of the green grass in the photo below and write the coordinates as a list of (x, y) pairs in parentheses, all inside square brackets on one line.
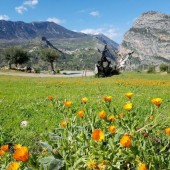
[(25, 98)]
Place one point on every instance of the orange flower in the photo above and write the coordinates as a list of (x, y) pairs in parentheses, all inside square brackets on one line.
[(102, 114), (63, 123), (142, 166), (21, 154), (50, 98), (17, 146), (107, 98), (80, 113), (92, 164), (126, 141), (167, 131), (129, 95), (98, 135), (84, 100), (2, 152), (128, 106), (157, 101), (111, 118), (67, 104), (13, 166), (121, 114), (112, 129), (4, 148)]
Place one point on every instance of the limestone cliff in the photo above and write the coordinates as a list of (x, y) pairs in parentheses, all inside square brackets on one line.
[(149, 38)]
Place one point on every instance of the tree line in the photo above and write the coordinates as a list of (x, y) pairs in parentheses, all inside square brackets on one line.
[(18, 56)]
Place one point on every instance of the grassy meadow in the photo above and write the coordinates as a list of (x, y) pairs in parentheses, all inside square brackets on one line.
[(58, 137)]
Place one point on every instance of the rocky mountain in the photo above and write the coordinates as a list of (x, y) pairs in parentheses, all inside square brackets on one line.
[(149, 38), (19, 30), (77, 46)]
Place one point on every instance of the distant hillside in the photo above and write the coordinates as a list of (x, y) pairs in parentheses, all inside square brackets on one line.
[(80, 48), (19, 30), (149, 38)]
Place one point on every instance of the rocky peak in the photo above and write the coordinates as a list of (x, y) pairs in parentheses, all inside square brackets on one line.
[(149, 38)]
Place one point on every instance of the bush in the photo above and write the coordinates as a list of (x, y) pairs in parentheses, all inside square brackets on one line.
[(36, 69), (151, 69), (163, 67)]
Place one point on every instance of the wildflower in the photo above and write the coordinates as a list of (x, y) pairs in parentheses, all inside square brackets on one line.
[(129, 95), (50, 98), (151, 117), (21, 154), (4, 148), (121, 114), (112, 129), (107, 98), (102, 165), (63, 123), (128, 106), (17, 146), (102, 114), (80, 113), (13, 166), (142, 166), (157, 101), (84, 100), (125, 141), (111, 118), (91, 164), (98, 135), (67, 104), (2, 152), (167, 131), (24, 123)]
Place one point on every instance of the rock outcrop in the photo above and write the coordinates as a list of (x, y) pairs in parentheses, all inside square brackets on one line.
[(149, 38)]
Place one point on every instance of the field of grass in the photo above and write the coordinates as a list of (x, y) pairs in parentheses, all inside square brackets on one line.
[(27, 99)]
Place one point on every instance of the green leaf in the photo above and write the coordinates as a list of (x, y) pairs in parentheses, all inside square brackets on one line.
[(56, 164), (47, 160), (46, 146)]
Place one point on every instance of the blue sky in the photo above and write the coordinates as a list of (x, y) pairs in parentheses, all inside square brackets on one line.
[(110, 17)]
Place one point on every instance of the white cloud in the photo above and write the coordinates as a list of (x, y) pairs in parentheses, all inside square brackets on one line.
[(109, 32), (31, 3), (24, 7), (95, 13), (55, 20), (4, 17), (20, 9)]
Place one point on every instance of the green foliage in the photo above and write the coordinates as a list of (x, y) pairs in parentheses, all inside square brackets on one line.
[(151, 69), (163, 67), (16, 56), (50, 55), (72, 147)]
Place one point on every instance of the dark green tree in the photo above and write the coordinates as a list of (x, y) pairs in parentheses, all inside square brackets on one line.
[(50, 55), (16, 56), (163, 67)]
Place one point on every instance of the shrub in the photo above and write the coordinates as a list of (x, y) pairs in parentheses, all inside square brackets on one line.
[(163, 67), (151, 69)]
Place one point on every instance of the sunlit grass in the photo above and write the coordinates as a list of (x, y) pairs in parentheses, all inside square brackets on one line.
[(26, 98)]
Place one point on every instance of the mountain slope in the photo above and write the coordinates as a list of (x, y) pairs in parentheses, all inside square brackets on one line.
[(77, 46), (19, 30), (149, 38)]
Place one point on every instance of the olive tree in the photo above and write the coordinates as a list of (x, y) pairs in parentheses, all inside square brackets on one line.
[(50, 55), (16, 56)]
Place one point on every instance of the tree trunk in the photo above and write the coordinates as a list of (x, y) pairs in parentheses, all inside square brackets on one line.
[(52, 68), (9, 65)]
